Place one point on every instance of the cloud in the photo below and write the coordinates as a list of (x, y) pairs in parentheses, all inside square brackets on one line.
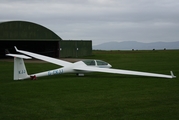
[(100, 20)]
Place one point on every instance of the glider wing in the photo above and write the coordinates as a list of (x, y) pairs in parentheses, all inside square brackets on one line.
[(126, 72), (45, 58)]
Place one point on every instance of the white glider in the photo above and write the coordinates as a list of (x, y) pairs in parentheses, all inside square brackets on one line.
[(79, 67)]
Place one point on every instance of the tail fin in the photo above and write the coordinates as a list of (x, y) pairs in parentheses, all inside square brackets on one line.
[(20, 71)]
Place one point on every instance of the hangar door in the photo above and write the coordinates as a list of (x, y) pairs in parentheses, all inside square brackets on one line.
[(48, 48)]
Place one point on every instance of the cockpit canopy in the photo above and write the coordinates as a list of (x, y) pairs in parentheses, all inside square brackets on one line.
[(98, 63)]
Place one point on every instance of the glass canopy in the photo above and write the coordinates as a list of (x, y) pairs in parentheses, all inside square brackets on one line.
[(95, 62)]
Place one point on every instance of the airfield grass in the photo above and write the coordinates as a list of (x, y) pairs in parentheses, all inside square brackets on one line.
[(96, 95)]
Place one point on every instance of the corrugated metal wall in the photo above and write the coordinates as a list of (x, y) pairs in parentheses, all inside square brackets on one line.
[(75, 48), (23, 30)]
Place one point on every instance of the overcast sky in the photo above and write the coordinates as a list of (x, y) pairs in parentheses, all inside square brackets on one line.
[(100, 20)]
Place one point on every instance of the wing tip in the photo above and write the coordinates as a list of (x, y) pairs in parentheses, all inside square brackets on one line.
[(173, 76), (15, 48)]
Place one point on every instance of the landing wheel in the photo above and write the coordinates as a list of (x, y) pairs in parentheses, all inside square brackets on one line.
[(79, 74), (33, 77)]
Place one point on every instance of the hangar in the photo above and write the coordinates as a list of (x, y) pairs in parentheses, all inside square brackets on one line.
[(37, 38)]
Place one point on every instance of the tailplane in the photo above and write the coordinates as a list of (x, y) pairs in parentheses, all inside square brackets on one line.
[(20, 71)]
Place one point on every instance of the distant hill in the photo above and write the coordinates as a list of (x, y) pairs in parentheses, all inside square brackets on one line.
[(129, 45)]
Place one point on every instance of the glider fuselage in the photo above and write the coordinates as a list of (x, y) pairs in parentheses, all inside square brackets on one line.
[(70, 68)]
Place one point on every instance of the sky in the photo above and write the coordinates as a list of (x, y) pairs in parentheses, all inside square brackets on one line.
[(100, 20)]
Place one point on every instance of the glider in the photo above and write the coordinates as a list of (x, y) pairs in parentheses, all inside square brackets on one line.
[(79, 67)]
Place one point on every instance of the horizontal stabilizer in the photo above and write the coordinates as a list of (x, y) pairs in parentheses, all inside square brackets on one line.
[(19, 56)]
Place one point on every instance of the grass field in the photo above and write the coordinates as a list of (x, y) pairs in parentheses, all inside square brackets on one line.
[(96, 95)]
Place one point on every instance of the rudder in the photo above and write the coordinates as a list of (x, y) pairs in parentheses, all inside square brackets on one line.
[(20, 71)]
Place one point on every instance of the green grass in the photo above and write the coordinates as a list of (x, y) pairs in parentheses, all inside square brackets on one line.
[(96, 95)]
